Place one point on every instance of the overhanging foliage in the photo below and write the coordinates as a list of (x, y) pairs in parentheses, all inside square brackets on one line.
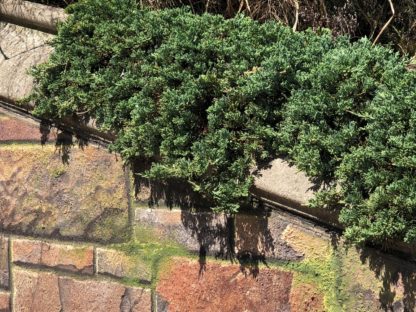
[(208, 99)]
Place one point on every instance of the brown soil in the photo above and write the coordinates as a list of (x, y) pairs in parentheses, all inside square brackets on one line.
[(220, 287)]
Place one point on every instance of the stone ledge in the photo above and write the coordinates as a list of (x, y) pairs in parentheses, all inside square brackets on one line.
[(24, 48), (33, 15), (79, 259)]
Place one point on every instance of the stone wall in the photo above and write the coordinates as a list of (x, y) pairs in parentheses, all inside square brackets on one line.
[(79, 233)]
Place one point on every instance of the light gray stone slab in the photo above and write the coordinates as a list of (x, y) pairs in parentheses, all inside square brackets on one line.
[(22, 49), (33, 15)]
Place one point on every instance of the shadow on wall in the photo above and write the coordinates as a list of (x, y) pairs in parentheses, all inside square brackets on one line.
[(215, 233), (65, 140), (251, 238), (398, 277)]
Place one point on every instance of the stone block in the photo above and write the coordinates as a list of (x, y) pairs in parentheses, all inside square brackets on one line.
[(36, 292), (4, 262), (313, 245), (285, 185), (306, 297), (78, 193), (24, 48), (187, 286), (33, 15), (4, 301), (78, 259), (15, 129), (116, 263), (201, 231), (259, 235), (41, 291)]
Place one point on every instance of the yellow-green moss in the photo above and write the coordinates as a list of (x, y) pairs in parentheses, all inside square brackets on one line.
[(151, 249)]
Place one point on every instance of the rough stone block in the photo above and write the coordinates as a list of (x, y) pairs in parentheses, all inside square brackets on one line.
[(201, 231), (4, 302), (83, 197), (14, 129), (4, 262), (118, 264), (187, 286), (64, 257), (259, 235), (306, 298), (24, 48), (40, 292), (314, 245)]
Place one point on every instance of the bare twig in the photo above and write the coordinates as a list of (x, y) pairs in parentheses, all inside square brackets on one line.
[(388, 22), (240, 8), (295, 25), (248, 6)]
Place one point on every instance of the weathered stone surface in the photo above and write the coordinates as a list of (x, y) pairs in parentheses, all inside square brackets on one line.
[(14, 129), (36, 292), (78, 296), (286, 182), (314, 245), (4, 262), (118, 264), (4, 301), (203, 232), (23, 48), (220, 287), (33, 15), (65, 257), (84, 198), (284, 185), (40, 292), (259, 235), (306, 298)]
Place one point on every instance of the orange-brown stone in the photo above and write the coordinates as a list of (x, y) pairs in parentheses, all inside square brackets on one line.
[(4, 302), (64, 257), (306, 298), (36, 292), (188, 286)]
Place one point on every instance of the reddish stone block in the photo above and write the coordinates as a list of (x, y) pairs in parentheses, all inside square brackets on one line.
[(40, 292), (80, 296), (65, 257), (192, 286), (14, 129), (4, 302), (35, 292)]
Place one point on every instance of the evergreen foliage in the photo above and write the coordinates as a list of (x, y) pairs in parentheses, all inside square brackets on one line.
[(209, 99)]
